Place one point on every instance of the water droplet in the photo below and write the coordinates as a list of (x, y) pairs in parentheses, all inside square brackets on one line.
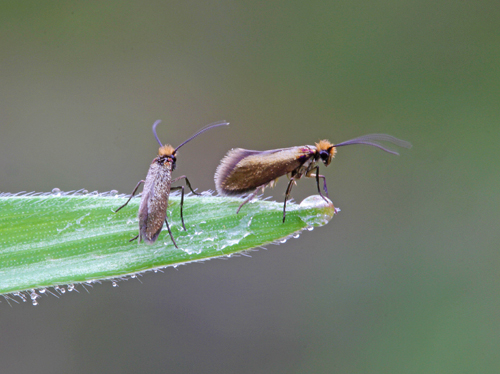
[(309, 228), (71, 287), (283, 241), (35, 303), (296, 235), (63, 290), (114, 284), (113, 192), (133, 276), (85, 192), (42, 290), (155, 270), (56, 191), (315, 211), (175, 266), (34, 295)]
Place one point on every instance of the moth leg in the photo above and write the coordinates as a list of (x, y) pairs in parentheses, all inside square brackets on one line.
[(182, 203), (131, 196), (187, 183), (317, 176), (182, 195), (171, 236), (287, 195), (131, 240), (249, 197)]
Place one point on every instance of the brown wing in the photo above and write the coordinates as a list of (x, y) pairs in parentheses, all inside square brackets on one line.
[(243, 170), (154, 201)]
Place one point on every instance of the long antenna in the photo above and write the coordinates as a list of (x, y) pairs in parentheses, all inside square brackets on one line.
[(373, 140), (206, 128), (154, 131)]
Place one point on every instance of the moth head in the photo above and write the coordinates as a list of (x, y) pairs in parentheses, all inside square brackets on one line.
[(166, 150), (326, 151), (168, 155)]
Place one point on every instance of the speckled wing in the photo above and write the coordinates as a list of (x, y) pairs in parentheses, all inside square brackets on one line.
[(243, 170), (154, 201)]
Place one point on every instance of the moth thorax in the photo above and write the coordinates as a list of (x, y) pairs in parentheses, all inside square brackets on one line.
[(166, 150)]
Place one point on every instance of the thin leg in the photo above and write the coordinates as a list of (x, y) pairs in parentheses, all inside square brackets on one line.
[(182, 195), (249, 197), (182, 203), (131, 196), (187, 183), (317, 176), (287, 194), (170, 232), (131, 240)]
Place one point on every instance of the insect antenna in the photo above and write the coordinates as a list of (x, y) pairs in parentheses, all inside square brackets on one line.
[(154, 131), (374, 139), (206, 128)]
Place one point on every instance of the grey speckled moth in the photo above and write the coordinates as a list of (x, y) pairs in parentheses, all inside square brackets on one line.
[(157, 187), (246, 172)]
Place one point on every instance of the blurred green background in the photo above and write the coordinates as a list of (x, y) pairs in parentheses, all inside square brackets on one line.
[(404, 280)]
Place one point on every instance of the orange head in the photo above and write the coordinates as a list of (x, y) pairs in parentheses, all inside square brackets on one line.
[(166, 150), (326, 151)]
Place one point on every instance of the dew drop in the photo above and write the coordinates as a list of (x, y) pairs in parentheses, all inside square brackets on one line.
[(56, 191), (113, 193), (133, 276), (35, 303), (42, 290), (283, 241), (71, 287), (114, 284), (309, 228), (63, 290), (85, 192), (315, 211), (296, 235)]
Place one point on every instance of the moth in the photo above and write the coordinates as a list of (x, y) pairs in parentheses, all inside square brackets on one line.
[(246, 172), (157, 188)]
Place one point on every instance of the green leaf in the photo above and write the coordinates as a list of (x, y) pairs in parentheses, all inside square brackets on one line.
[(48, 240)]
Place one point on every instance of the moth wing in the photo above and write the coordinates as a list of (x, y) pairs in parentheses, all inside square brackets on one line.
[(154, 202), (243, 170)]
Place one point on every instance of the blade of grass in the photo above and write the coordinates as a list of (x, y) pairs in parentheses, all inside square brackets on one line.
[(47, 240)]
